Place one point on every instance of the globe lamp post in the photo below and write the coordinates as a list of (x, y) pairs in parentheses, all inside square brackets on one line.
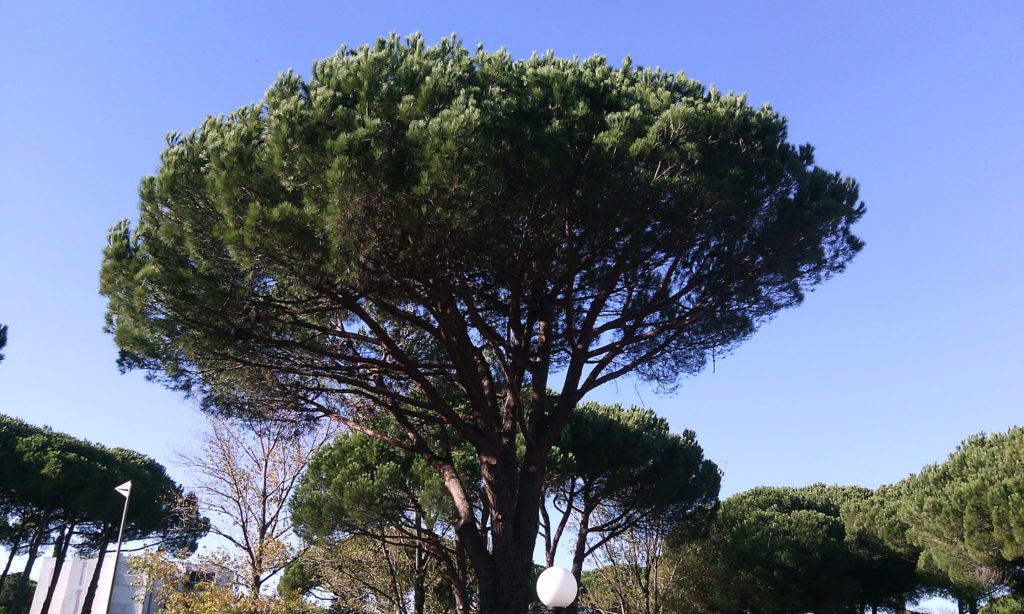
[(556, 588)]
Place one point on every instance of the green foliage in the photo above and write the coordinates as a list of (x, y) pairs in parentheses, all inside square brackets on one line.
[(299, 578), (886, 561), (1007, 604), (360, 574), (600, 591), (967, 515), (960, 522), (875, 521), (358, 484), (377, 524), (8, 594), (66, 479), (630, 464), (3, 339), (776, 550), (617, 470), (634, 575), (401, 167), (956, 528)]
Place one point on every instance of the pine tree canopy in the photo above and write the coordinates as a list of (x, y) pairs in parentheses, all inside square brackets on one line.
[(539, 213), (433, 232), (967, 515)]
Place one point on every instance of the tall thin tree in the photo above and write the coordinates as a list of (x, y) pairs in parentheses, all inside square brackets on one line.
[(244, 474)]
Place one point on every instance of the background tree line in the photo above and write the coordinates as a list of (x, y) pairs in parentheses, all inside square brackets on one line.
[(57, 492), (637, 504), (954, 529), (645, 525)]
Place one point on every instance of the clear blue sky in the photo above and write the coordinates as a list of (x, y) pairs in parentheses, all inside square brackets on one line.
[(883, 370)]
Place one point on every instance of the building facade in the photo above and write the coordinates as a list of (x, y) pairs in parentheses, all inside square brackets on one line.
[(73, 583)]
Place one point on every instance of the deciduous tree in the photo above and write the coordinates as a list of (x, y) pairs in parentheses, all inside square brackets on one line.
[(632, 572), (202, 584), (433, 233), (374, 576), (244, 475)]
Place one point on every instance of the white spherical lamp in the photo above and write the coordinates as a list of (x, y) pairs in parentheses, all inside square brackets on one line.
[(556, 587)]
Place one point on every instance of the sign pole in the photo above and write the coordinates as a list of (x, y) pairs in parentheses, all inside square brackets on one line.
[(125, 490)]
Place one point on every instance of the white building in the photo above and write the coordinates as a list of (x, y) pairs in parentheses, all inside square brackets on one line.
[(74, 582)]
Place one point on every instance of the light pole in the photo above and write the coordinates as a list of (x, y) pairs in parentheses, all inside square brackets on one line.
[(556, 588), (126, 490)]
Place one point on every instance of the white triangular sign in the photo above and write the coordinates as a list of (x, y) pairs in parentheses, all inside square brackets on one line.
[(125, 488)]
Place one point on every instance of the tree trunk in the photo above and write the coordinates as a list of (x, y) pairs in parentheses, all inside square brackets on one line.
[(502, 555), (579, 554), (7, 568), (459, 573), (967, 605), (90, 593), (15, 545), (419, 584), (419, 576), (461, 597), (515, 498), (513, 591), (60, 553), (21, 599), (255, 583), (504, 573)]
